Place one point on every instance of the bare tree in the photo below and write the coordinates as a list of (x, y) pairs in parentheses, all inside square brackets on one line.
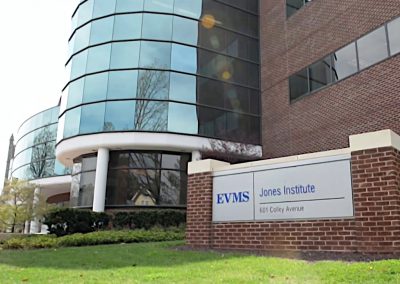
[(41, 153), (230, 152), (150, 115)]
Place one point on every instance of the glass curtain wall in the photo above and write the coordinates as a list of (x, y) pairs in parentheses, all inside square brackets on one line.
[(189, 67), (35, 148), (135, 178)]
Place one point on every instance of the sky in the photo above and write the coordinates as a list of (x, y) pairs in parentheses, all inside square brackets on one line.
[(33, 51)]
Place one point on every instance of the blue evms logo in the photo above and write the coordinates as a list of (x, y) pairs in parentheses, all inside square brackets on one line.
[(233, 197)]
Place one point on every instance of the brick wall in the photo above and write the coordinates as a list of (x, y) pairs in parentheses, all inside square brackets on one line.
[(199, 210), (368, 101), (375, 227)]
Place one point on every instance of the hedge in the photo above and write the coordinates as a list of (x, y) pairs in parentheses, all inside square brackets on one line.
[(69, 221), (94, 238)]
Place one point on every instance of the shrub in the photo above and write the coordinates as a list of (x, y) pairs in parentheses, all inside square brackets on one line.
[(145, 219), (68, 221), (95, 238)]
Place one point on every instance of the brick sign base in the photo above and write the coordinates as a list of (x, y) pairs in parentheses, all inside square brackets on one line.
[(374, 229)]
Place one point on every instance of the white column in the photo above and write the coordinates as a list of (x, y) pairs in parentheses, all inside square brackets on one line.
[(35, 223), (100, 184), (196, 156)]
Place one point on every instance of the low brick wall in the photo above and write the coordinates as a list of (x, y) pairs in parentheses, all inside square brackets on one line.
[(375, 228)]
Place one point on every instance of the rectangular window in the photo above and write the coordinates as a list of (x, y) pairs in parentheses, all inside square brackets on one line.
[(187, 125), (98, 58), (119, 116), (95, 88), (292, 6), (298, 84), (102, 31), (320, 74), (92, 118), (372, 48), (71, 123), (125, 55), (394, 36), (157, 27), (127, 26), (122, 85), (344, 62)]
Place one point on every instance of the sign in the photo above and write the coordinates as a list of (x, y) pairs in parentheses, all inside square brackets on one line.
[(313, 189)]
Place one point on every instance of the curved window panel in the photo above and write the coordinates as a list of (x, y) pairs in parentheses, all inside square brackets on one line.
[(151, 116), (164, 6), (170, 189), (92, 118), (153, 84), (208, 91), (75, 93), (175, 162), (175, 122), (78, 66), (122, 85), (129, 6), (182, 88), (372, 48), (82, 38), (127, 27), (95, 88), (237, 99), (139, 179), (60, 130), (98, 58), (103, 8), (119, 116), (102, 31), (177, 64), (212, 122), (190, 9), (86, 189), (35, 150), (184, 58), (72, 120), (155, 55), (125, 55), (157, 27), (185, 31), (85, 12)]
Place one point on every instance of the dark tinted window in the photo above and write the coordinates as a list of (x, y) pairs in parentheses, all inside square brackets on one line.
[(320, 74), (298, 84)]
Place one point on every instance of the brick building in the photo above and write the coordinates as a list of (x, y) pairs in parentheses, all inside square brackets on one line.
[(330, 85), (364, 100)]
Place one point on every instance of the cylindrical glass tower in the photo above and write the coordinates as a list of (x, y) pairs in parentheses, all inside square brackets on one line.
[(160, 76)]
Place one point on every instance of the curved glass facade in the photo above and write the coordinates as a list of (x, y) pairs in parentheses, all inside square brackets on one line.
[(135, 178), (179, 66), (35, 147)]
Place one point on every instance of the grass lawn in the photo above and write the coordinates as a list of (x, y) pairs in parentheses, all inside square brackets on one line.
[(158, 263)]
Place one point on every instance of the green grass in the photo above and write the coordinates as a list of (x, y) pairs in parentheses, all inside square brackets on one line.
[(160, 263)]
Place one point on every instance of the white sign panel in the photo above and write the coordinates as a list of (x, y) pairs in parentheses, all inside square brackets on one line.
[(302, 191), (233, 193)]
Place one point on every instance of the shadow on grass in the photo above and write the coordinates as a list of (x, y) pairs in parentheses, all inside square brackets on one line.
[(109, 256)]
